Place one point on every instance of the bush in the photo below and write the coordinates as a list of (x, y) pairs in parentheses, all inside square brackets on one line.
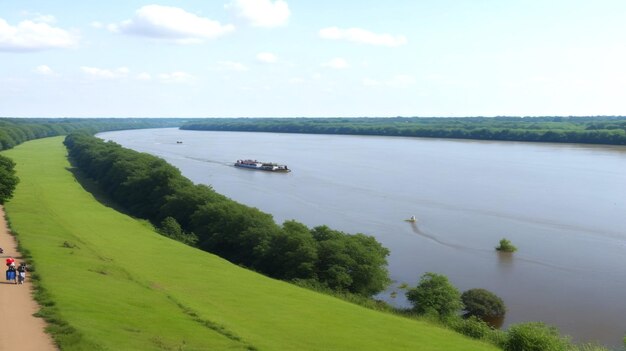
[(435, 293), (482, 303), (506, 246), (473, 327), (535, 336)]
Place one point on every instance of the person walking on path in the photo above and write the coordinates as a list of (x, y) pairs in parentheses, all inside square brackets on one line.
[(21, 273), (25, 332), (11, 272)]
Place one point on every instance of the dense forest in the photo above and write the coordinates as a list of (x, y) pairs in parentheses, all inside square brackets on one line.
[(589, 130), (14, 131), (148, 187)]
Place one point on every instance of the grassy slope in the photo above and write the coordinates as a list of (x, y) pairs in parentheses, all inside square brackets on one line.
[(126, 288)]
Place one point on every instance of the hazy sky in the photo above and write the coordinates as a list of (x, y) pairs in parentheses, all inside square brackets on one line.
[(312, 58)]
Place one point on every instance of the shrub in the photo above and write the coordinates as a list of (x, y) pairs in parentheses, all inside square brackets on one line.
[(473, 327), (506, 246), (535, 336), (435, 293), (482, 303)]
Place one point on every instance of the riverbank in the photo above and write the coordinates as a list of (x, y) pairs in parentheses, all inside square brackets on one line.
[(20, 329), (132, 288)]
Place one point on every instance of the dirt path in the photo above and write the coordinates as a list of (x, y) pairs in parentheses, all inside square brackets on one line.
[(19, 330)]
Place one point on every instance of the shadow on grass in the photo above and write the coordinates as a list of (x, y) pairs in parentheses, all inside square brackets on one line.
[(92, 187)]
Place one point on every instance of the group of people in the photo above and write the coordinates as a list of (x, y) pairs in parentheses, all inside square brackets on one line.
[(16, 274)]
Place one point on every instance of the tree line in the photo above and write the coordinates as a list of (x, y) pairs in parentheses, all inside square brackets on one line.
[(589, 130), (14, 131), (150, 188)]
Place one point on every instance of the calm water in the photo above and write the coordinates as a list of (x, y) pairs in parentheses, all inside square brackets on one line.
[(563, 206)]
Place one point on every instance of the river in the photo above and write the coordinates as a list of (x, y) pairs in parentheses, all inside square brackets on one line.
[(562, 205)]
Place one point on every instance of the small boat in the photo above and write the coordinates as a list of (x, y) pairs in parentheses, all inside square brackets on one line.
[(179, 142), (412, 219), (262, 166)]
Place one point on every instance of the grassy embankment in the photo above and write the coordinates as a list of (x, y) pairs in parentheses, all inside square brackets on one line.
[(121, 286)]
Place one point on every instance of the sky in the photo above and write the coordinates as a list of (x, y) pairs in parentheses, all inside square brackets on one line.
[(324, 58)]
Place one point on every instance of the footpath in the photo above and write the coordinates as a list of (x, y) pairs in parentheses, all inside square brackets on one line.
[(20, 329)]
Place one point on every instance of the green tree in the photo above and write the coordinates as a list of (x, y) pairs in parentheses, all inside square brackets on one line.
[(535, 336), (294, 253), (482, 303), (355, 263), (171, 228), (506, 246), (8, 179), (435, 293)]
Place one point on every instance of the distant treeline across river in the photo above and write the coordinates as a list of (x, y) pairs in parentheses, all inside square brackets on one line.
[(587, 130)]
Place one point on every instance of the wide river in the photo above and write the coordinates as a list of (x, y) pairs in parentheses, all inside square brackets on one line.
[(562, 205)]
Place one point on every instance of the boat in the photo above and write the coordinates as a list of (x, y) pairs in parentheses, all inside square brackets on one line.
[(262, 166), (412, 219)]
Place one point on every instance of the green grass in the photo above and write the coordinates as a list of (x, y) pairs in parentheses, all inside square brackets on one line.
[(112, 283)]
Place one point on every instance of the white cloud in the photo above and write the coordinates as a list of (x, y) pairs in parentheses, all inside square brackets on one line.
[(44, 70), (336, 63), (171, 23), (102, 73), (359, 35), (176, 77), (262, 13), (96, 24), (266, 57), (33, 36), (232, 66)]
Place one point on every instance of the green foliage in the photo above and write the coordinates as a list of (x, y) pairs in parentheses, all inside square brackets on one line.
[(535, 336), (473, 327), (147, 187), (589, 347), (435, 293), (355, 263), (506, 246), (170, 228), (482, 303), (8, 179), (593, 130)]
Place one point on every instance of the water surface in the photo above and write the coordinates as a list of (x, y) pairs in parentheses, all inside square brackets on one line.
[(562, 205)]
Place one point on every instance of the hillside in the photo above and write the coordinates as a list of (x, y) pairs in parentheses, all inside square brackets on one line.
[(121, 286)]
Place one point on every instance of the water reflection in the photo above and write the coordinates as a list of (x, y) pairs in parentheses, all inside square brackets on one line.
[(505, 260)]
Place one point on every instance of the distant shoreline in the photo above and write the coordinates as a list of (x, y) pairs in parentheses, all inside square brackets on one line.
[(575, 130)]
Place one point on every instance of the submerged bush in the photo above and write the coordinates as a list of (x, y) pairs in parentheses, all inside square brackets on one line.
[(482, 303), (506, 246)]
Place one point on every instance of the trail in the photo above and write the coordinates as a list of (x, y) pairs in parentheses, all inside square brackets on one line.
[(20, 329)]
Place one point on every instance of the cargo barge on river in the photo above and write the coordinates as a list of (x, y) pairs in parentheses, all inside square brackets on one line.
[(262, 166)]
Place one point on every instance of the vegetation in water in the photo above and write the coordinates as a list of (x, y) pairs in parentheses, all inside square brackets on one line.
[(482, 303), (592, 130), (506, 246)]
